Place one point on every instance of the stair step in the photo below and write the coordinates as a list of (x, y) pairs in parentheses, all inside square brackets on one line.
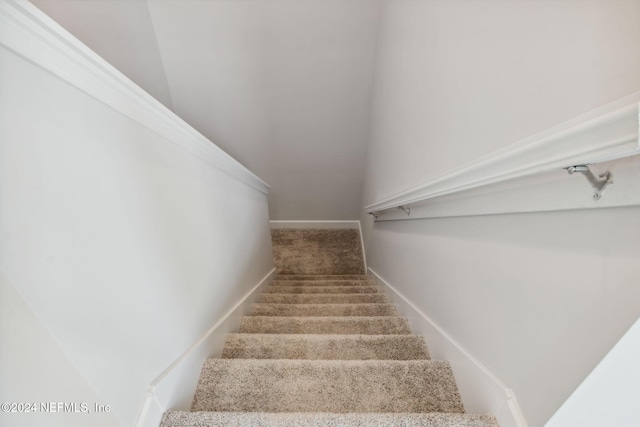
[(283, 419), (323, 298), (327, 347), (385, 325), (321, 277), (321, 289), (338, 386), (321, 283), (266, 309), (317, 251)]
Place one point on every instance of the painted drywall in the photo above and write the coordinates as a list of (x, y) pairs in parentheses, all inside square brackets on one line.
[(174, 388), (539, 298), (593, 404), (455, 80), (50, 379), (284, 86), (126, 246), (119, 31)]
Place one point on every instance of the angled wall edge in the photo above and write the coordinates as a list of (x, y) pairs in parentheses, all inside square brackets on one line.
[(31, 34)]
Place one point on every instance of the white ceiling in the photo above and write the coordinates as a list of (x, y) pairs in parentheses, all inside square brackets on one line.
[(283, 86)]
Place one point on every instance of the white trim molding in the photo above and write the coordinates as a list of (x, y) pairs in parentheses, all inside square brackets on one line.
[(183, 372), (364, 254), (28, 32), (602, 135), (481, 390)]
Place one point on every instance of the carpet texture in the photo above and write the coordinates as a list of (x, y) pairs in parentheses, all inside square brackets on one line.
[(317, 282), (283, 419), (324, 325), (323, 347), (321, 289), (301, 310), (323, 298), (317, 251), (323, 277), (328, 347), (339, 386)]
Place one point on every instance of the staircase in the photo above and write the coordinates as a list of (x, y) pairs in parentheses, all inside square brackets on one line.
[(323, 347)]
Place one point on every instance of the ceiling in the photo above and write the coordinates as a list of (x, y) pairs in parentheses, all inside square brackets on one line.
[(283, 86)]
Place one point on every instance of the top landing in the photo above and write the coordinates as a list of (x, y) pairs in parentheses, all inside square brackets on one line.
[(317, 251)]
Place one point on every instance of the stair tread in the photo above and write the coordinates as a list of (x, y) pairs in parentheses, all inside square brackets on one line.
[(323, 298), (365, 289), (367, 325), (327, 347), (321, 277), (323, 347), (338, 386), (299, 310), (284, 419), (333, 282)]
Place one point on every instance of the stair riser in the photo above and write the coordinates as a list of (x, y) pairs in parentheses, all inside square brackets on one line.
[(325, 325), (325, 347), (321, 283), (324, 298), (322, 277), (323, 310), (321, 290)]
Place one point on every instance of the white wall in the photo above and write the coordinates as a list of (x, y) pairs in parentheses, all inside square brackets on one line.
[(458, 79), (594, 404), (537, 298), (284, 86), (125, 244), (27, 347), (119, 31)]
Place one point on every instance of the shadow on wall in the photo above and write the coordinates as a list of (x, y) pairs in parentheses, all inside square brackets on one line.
[(573, 231)]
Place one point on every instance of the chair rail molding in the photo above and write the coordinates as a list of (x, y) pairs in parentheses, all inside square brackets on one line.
[(31, 34), (602, 135)]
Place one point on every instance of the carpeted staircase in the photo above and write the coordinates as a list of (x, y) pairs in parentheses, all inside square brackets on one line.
[(323, 347)]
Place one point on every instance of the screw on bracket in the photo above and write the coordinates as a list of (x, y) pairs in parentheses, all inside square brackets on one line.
[(406, 210), (598, 184)]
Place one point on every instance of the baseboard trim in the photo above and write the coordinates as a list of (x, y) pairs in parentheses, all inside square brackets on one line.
[(152, 408), (301, 224), (481, 390)]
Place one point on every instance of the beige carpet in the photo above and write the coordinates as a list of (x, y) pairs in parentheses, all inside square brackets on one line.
[(382, 325), (323, 298), (340, 386), (317, 251), (323, 347), (323, 310), (262, 419)]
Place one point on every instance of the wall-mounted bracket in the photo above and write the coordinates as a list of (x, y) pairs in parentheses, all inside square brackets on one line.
[(406, 210), (598, 184), (375, 214)]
